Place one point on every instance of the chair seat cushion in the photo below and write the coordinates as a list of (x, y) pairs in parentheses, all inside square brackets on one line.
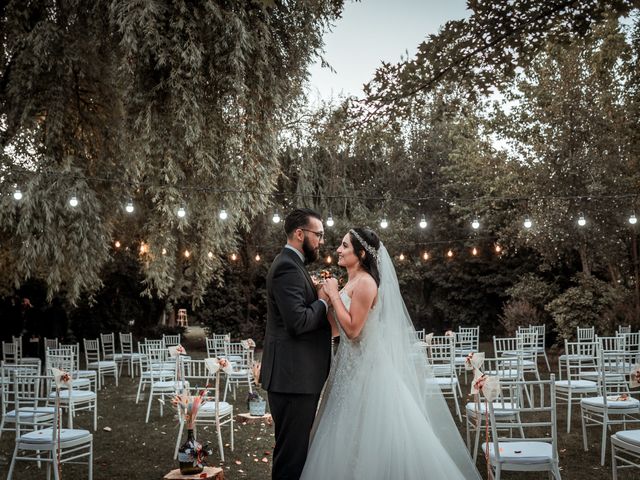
[(46, 434), (629, 436), (102, 364), (507, 373), (629, 403), (500, 409), (577, 358), (31, 413), (77, 395), (577, 384), (210, 408), (442, 381), (525, 453), (169, 385)]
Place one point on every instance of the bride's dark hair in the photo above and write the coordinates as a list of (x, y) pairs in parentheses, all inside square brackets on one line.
[(369, 261)]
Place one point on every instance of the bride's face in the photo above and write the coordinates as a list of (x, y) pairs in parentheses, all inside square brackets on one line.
[(346, 255)]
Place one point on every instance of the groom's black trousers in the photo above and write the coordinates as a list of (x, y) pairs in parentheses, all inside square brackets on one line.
[(293, 416)]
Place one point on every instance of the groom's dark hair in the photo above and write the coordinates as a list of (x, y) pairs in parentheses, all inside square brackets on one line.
[(299, 218)]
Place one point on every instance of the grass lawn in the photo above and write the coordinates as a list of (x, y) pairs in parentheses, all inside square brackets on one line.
[(136, 450)]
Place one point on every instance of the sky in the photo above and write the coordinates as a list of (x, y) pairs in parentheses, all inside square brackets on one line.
[(373, 31)]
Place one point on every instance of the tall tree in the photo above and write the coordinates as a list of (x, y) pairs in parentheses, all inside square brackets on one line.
[(169, 104)]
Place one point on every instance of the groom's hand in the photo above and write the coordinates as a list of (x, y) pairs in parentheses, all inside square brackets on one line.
[(322, 295)]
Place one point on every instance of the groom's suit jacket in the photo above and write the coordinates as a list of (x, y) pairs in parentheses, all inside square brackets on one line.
[(297, 344)]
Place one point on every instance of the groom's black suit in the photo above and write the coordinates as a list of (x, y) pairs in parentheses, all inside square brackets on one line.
[(295, 360)]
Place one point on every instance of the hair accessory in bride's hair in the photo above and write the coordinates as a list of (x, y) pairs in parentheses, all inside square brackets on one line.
[(372, 251)]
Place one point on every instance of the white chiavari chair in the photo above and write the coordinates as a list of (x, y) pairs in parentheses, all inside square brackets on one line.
[(241, 358), (93, 361), (441, 354)]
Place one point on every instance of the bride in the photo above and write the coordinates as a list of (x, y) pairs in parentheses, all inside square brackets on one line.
[(380, 416)]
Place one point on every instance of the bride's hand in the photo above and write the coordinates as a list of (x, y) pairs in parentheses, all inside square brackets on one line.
[(331, 288)]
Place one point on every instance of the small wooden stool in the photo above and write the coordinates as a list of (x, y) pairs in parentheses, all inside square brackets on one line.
[(182, 317), (212, 473)]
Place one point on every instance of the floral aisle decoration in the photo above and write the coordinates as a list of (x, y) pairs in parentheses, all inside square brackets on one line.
[(192, 454), (62, 379), (256, 404)]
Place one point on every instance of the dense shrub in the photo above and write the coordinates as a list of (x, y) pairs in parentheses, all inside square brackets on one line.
[(520, 313)]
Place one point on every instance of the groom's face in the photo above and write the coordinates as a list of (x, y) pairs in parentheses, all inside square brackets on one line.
[(313, 238)]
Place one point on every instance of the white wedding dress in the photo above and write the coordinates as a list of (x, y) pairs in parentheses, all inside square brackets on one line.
[(380, 418)]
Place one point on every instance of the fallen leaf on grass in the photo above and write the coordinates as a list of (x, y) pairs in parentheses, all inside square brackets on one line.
[(107, 429), (265, 459)]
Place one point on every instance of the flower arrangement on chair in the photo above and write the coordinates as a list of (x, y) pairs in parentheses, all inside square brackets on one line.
[(192, 454)]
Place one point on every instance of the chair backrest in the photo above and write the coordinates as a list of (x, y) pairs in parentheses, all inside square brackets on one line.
[(107, 342), (18, 342), (30, 393), (126, 343), (420, 334), (474, 334), (527, 343), (171, 340), (441, 354), (613, 375), (505, 346), (506, 368), (9, 352), (50, 343), (74, 348), (611, 344), (539, 423), (541, 330), (631, 342), (624, 329), (196, 373), (580, 357), (586, 334), (62, 358), (240, 356), (91, 350)]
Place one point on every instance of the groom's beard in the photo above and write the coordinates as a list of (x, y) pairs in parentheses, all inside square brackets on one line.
[(310, 254)]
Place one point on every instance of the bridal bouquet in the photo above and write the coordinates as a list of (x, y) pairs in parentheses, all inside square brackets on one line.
[(321, 276)]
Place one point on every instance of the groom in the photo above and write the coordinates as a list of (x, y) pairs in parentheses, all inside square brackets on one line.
[(297, 344)]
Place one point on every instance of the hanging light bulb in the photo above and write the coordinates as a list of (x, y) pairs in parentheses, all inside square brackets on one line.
[(17, 194), (143, 248), (475, 224), (384, 223), (257, 257), (129, 208), (632, 219), (498, 248), (423, 222), (210, 255), (118, 244), (73, 201), (187, 253), (329, 259), (223, 214), (425, 256), (450, 253), (164, 251), (401, 257), (527, 223), (330, 221), (234, 257), (276, 218), (181, 212), (582, 221), (474, 252)]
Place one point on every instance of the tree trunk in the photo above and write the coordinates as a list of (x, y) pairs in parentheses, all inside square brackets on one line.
[(584, 258)]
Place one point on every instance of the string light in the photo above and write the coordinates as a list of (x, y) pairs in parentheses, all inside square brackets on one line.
[(234, 257), (384, 223), (475, 224), (73, 201), (450, 253), (498, 248), (257, 257), (276, 218), (223, 214), (423, 222), (210, 255), (527, 223), (181, 212), (401, 257), (118, 244), (425, 256), (164, 251), (187, 253), (330, 221), (582, 221), (328, 259), (474, 252), (632, 219), (17, 194), (129, 208), (143, 248)]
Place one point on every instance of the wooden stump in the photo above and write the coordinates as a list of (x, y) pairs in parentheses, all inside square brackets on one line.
[(212, 473), (247, 418)]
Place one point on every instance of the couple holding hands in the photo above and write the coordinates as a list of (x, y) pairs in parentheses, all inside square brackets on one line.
[(380, 416)]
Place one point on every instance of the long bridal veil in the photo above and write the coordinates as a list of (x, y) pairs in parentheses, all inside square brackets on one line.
[(413, 371)]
